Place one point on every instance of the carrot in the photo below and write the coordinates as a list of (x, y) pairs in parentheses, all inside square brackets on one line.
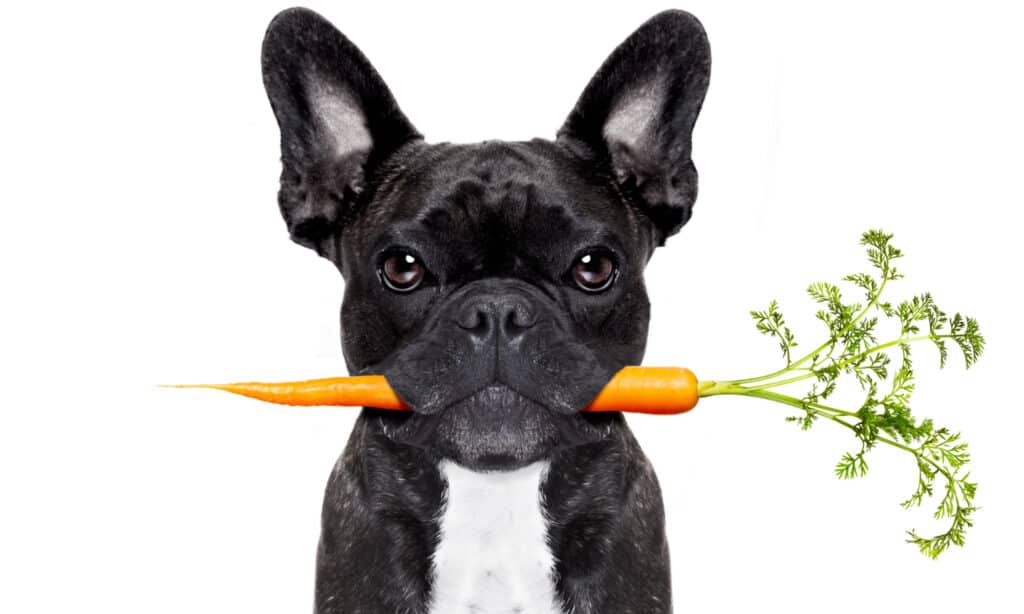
[(648, 390), (359, 390), (851, 348)]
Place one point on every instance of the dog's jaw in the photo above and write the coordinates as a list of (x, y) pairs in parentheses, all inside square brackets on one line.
[(497, 429)]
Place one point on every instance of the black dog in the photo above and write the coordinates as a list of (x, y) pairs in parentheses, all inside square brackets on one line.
[(498, 286)]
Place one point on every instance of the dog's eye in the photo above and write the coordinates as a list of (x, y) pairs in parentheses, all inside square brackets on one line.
[(594, 271), (401, 272)]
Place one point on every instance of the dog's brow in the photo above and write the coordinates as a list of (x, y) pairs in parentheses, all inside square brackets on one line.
[(402, 235), (599, 236)]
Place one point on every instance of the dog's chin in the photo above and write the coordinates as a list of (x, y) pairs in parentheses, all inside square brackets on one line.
[(498, 429), (495, 428)]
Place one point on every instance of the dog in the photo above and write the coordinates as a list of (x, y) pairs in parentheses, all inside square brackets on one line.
[(498, 286)]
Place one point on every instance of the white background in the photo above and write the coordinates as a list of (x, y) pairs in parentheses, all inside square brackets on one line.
[(141, 244)]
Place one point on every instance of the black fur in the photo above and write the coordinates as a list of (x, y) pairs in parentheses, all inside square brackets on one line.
[(670, 53), (498, 349)]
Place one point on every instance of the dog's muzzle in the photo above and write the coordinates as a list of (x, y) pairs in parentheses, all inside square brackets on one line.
[(493, 334)]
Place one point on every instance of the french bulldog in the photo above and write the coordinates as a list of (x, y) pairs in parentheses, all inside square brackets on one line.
[(498, 286)]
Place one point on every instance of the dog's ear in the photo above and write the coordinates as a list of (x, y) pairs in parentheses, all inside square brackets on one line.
[(338, 122), (637, 113)]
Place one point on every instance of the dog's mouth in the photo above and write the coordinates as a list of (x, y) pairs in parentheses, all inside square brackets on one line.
[(562, 381), (497, 428), (496, 378)]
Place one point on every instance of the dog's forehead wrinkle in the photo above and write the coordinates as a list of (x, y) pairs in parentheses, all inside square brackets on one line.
[(491, 168), (487, 197)]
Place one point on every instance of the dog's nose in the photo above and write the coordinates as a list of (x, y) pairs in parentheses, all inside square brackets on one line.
[(504, 315)]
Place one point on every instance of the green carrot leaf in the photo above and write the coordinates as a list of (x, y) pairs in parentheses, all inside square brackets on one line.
[(853, 350)]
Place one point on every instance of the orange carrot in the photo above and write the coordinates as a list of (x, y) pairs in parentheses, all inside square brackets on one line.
[(648, 390)]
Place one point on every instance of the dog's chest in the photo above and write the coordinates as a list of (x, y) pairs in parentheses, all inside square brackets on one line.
[(493, 556)]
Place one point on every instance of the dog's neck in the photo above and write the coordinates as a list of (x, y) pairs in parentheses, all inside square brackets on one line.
[(493, 555)]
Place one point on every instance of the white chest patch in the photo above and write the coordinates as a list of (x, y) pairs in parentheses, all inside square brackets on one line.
[(493, 556)]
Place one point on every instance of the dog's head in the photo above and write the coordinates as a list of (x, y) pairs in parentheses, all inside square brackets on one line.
[(497, 285)]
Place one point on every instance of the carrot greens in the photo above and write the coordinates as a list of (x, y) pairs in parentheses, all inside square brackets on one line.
[(854, 349)]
